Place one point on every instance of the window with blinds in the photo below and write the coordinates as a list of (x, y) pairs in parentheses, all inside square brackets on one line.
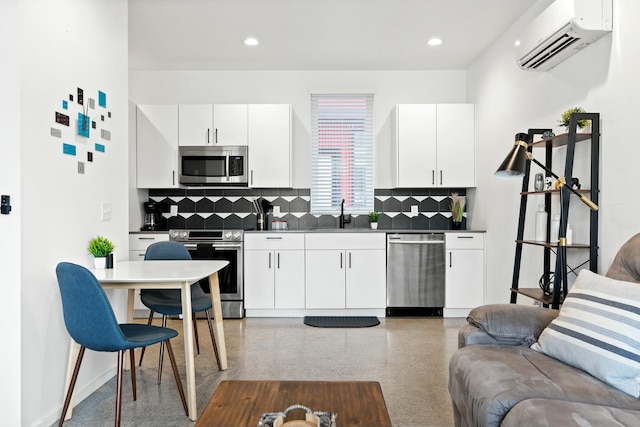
[(341, 153)]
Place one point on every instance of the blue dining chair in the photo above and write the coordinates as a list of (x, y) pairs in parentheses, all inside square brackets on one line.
[(168, 302), (91, 323)]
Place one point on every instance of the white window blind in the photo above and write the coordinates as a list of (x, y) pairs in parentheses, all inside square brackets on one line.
[(341, 153)]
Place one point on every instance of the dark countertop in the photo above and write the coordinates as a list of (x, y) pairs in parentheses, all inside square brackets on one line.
[(363, 230), (334, 230)]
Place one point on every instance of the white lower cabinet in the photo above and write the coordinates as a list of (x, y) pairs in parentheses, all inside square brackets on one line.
[(138, 244), (274, 271), (298, 274), (325, 279), (345, 270), (465, 273)]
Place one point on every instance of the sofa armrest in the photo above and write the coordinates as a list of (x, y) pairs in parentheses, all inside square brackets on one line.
[(505, 324)]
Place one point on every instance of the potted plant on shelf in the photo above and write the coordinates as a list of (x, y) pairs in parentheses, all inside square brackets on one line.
[(373, 219), (457, 208), (564, 118), (100, 247)]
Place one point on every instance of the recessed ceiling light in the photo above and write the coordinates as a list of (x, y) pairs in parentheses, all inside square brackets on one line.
[(250, 41), (517, 43), (434, 42)]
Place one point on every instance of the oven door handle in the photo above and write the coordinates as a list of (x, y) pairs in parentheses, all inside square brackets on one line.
[(221, 245)]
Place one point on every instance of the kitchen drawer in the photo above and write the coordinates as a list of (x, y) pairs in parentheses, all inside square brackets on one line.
[(136, 255), (464, 240), (345, 240), (273, 241), (141, 241)]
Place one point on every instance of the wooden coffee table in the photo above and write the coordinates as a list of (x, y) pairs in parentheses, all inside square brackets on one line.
[(241, 403)]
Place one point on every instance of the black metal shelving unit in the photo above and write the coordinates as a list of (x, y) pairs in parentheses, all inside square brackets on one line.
[(555, 297)]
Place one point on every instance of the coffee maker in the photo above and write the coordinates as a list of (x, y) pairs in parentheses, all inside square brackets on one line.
[(152, 215)]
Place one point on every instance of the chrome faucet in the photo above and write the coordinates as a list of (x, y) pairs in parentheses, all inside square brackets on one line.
[(344, 219)]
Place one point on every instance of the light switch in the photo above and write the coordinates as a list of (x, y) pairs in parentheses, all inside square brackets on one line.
[(105, 211), (414, 210), (276, 211), (173, 210)]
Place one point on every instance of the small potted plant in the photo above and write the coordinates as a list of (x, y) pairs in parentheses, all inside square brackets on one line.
[(100, 247), (564, 118), (373, 219), (457, 208)]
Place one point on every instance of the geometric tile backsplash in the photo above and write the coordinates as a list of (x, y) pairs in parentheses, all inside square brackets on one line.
[(232, 208)]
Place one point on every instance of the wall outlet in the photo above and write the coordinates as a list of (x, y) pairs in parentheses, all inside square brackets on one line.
[(105, 211), (276, 211), (414, 210), (173, 210)]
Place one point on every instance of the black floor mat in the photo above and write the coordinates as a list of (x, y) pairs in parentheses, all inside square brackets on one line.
[(341, 321)]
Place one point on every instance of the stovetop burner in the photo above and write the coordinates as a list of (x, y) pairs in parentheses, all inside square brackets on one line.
[(206, 235)]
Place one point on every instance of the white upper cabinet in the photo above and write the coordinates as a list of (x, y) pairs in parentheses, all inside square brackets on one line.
[(270, 145), (416, 145), (157, 146), (434, 145), (456, 145), (213, 124), (195, 124), (230, 124)]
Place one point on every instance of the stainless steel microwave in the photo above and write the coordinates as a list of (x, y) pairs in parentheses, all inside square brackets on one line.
[(217, 165)]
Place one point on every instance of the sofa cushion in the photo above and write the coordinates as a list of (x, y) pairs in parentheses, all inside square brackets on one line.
[(510, 323), (486, 381), (546, 412), (598, 331)]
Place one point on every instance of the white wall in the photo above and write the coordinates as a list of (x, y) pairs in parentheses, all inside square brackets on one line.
[(293, 87), (66, 44), (603, 78), (10, 224)]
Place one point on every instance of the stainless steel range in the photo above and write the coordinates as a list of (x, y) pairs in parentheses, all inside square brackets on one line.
[(219, 245)]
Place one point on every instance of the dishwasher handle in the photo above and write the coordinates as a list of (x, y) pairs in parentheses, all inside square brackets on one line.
[(416, 242)]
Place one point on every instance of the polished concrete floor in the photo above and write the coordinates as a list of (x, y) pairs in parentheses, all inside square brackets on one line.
[(408, 356)]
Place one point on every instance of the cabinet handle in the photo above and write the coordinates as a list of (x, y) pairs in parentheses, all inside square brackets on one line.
[(141, 255), (450, 259), (146, 238), (269, 260), (349, 259), (208, 136), (440, 176), (433, 177), (274, 238), (251, 177), (465, 237), (278, 260), (216, 135), (173, 178), (341, 260)]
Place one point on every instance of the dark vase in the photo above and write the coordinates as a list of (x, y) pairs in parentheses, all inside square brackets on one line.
[(455, 225), (109, 261)]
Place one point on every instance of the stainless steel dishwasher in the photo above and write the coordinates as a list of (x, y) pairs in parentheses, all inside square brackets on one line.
[(415, 274)]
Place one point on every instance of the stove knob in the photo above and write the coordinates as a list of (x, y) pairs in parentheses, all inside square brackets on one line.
[(236, 235), (227, 235), (184, 234)]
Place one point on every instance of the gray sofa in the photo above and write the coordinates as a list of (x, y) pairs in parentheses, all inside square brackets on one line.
[(495, 379)]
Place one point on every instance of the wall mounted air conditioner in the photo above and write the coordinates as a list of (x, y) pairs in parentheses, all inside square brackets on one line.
[(562, 30)]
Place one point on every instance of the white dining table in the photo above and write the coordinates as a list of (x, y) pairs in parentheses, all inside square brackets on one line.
[(166, 274)]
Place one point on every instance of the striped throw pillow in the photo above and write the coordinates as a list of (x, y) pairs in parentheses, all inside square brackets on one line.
[(598, 331)]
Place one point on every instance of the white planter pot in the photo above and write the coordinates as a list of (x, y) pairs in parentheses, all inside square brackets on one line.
[(374, 225), (99, 262)]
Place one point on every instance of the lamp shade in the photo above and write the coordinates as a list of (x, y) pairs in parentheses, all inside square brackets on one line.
[(514, 165)]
